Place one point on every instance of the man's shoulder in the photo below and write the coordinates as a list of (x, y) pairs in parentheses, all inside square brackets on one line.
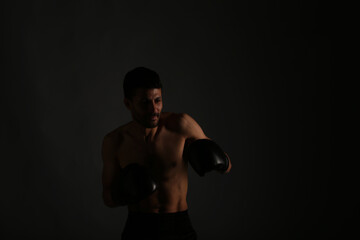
[(186, 126), (116, 134), (176, 121)]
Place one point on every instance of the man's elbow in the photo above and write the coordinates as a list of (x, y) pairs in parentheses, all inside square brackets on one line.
[(107, 199), (109, 204)]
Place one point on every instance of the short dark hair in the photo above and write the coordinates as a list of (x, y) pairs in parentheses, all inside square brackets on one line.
[(140, 77)]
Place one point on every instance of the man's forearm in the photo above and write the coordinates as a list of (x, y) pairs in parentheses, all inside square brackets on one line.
[(108, 199)]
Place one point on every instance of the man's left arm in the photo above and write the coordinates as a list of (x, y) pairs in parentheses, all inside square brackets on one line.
[(201, 151)]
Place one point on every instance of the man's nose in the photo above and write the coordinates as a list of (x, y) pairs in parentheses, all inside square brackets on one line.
[(152, 106)]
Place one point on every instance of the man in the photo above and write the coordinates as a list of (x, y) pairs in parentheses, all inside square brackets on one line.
[(145, 162)]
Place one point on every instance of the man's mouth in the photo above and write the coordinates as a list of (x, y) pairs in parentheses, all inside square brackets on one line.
[(154, 116)]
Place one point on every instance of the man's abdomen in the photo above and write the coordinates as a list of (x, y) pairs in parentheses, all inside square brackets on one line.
[(169, 197)]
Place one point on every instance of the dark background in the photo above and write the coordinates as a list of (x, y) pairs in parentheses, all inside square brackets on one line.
[(256, 76)]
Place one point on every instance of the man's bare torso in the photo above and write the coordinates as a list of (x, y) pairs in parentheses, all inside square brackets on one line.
[(162, 155)]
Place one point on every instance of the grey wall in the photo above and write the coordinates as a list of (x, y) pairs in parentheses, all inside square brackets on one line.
[(257, 76)]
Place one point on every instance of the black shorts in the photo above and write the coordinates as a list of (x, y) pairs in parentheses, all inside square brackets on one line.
[(143, 226)]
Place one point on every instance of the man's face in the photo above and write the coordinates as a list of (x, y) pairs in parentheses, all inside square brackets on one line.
[(146, 106)]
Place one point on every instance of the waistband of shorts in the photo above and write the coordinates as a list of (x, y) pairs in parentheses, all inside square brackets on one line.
[(180, 213)]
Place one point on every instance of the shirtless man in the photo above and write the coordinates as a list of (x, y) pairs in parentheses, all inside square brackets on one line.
[(154, 141)]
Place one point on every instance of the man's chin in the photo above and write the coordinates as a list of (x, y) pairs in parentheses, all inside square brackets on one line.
[(150, 124), (153, 125)]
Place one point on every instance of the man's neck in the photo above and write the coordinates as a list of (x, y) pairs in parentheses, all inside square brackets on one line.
[(143, 132)]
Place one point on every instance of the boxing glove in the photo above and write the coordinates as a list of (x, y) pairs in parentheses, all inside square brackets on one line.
[(205, 155), (132, 184)]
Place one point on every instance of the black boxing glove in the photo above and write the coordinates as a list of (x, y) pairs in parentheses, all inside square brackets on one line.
[(205, 155), (132, 184)]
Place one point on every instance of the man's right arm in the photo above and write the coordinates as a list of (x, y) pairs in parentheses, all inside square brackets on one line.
[(110, 169)]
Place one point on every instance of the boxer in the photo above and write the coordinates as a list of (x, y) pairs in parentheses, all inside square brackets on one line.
[(145, 162)]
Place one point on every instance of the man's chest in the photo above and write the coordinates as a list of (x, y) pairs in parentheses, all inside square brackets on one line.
[(162, 153)]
